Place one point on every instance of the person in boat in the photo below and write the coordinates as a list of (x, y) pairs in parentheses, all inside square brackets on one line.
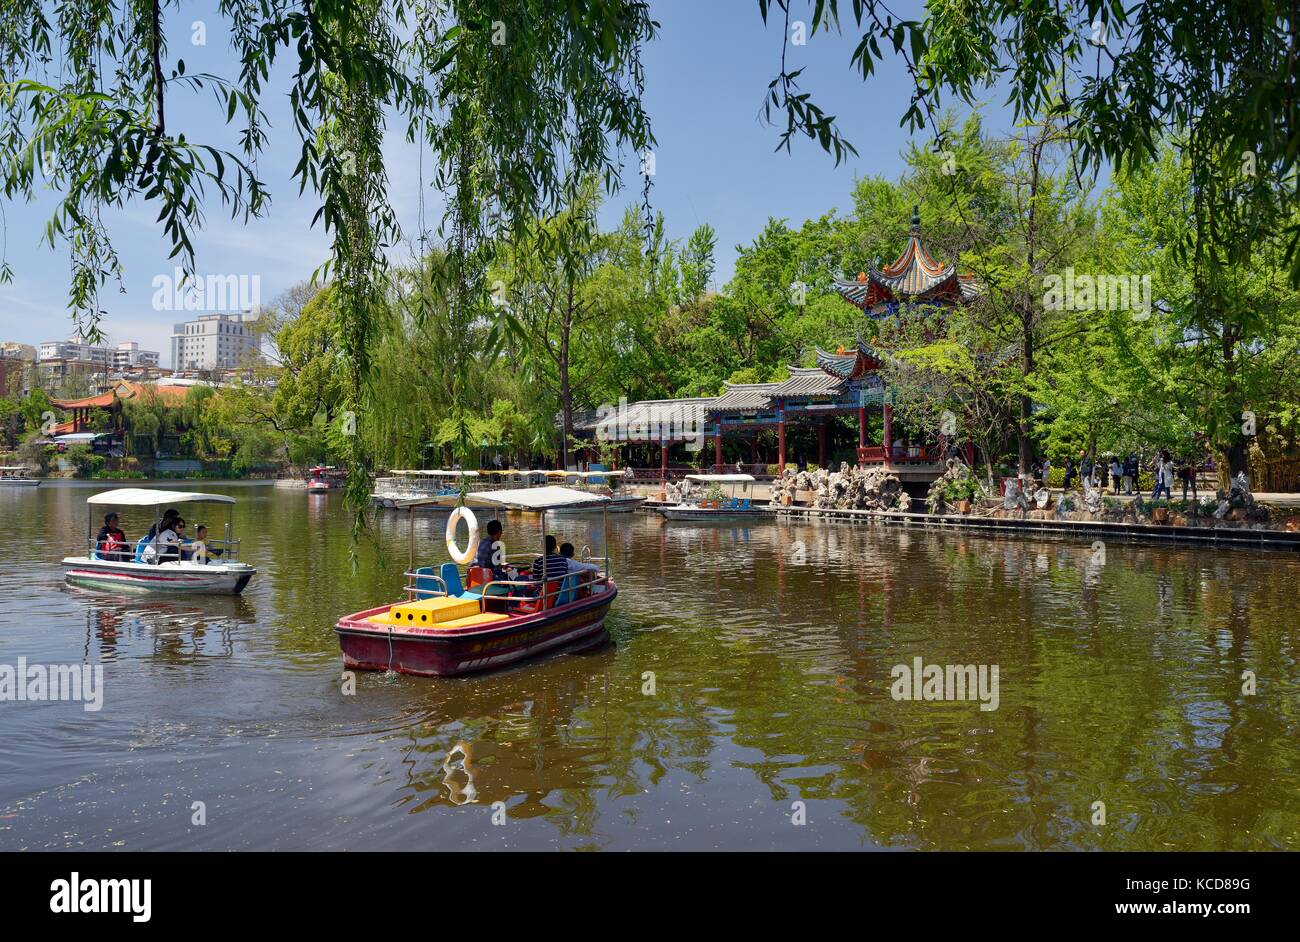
[(551, 566), (190, 549), (485, 555), (574, 565), (110, 544), (165, 546)]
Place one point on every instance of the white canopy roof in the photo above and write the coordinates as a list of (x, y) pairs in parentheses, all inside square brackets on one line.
[(536, 498), (436, 473), (721, 478), (598, 474), (145, 497)]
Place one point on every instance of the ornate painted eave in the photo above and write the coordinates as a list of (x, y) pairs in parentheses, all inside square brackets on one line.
[(914, 276)]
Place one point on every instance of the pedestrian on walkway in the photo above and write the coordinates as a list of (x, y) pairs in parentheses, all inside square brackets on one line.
[(1116, 472), (1164, 471), (1069, 472), (1047, 471), (1130, 473), (1086, 469), (1188, 473)]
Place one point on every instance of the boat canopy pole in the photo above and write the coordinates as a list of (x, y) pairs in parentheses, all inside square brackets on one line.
[(410, 539)]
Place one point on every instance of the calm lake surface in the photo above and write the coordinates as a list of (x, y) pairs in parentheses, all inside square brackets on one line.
[(1119, 682)]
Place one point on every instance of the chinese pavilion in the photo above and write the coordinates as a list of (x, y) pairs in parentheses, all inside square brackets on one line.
[(845, 382)]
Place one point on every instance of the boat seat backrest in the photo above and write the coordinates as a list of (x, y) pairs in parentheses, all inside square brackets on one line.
[(568, 589), (426, 586), (140, 544), (451, 575)]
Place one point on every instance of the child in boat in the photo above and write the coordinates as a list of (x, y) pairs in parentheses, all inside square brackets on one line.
[(574, 565), (198, 547), (110, 544)]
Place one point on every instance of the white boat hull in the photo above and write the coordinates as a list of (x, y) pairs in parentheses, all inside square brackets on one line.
[(615, 505), (214, 578), (19, 482), (714, 515)]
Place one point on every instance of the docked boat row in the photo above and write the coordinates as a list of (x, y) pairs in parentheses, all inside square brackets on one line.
[(437, 491)]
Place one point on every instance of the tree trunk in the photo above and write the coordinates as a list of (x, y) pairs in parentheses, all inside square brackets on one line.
[(566, 393)]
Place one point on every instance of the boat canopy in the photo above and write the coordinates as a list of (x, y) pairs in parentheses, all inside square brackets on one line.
[(721, 478), (598, 474), (144, 497), (537, 498), (436, 473), (14, 467)]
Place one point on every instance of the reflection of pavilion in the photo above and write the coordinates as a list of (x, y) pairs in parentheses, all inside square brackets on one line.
[(846, 382)]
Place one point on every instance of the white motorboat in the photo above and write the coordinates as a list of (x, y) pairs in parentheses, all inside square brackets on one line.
[(17, 476), (211, 566), (717, 509)]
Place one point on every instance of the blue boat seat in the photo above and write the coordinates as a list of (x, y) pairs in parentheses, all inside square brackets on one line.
[(140, 544), (451, 575), (426, 586), (568, 589)]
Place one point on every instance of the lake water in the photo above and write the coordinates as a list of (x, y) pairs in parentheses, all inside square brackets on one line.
[(745, 703)]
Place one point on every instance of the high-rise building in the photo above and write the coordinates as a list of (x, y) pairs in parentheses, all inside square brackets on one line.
[(214, 342), (129, 354)]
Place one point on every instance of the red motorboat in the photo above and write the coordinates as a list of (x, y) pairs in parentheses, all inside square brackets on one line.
[(324, 478), (447, 626)]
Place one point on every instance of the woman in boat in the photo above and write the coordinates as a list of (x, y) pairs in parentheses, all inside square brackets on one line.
[(166, 543), (110, 544)]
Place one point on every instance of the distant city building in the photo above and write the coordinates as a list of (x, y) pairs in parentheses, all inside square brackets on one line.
[(15, 360), (60, 359), (129, 354), (214, 342), (76, 349)]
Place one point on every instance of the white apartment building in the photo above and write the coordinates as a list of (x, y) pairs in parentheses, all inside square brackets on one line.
[(214, 342), (129, 354), (75, 349), (123, 356)]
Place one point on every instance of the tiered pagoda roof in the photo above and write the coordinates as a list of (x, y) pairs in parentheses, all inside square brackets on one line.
[(913, 277)]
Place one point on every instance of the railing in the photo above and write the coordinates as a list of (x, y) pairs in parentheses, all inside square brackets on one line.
[(229, 552), (535, 592)]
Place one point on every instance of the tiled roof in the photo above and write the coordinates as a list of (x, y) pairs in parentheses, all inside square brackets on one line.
[(653, 420), (809, 381), (743, 397)]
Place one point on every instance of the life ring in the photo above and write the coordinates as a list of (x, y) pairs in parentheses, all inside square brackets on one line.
[(454, 551), (200, 554)]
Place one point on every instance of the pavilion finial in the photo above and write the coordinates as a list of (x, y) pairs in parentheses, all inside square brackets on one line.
[(916, 218)]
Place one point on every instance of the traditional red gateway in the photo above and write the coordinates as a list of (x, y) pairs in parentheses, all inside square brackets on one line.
[(446, 626)]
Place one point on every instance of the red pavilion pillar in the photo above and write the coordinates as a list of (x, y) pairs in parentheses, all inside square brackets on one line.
[(862, 426), (889, 435), (717, 446), (780, 442)]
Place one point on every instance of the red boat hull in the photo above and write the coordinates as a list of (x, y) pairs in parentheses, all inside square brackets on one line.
[(428, 652)]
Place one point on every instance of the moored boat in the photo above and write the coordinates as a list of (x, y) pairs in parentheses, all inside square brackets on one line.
[(209, 566), (324, 478), (444, 630), (706, 509)]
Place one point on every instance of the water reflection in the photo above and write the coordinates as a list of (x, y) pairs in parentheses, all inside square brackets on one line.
[(751, 669)]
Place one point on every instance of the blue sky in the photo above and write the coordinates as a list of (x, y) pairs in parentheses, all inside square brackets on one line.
[(706, 76)]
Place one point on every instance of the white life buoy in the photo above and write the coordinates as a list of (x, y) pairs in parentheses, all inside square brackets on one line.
[(454, 551)]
